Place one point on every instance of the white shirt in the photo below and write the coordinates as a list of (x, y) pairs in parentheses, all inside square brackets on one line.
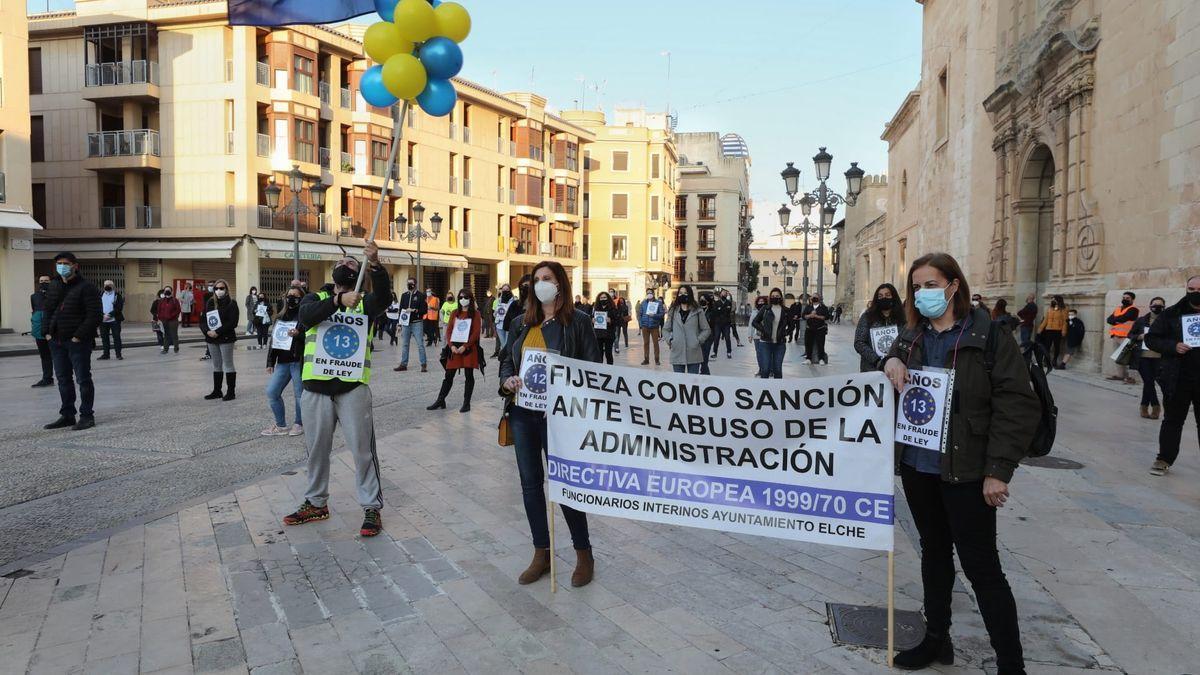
[(107, 300)]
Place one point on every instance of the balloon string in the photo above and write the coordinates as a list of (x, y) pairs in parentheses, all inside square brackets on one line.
[(388, 178)]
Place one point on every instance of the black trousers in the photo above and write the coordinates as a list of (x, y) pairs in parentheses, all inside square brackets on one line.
[(1148, 369), (720, 332), (47, 362), (606, 349), (953, 516), (1175, 410), (110, 336), (814, 345)]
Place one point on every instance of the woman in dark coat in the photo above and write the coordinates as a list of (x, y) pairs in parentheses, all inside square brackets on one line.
[(221, 337), (883, 311), (605, 336), (462, 349)]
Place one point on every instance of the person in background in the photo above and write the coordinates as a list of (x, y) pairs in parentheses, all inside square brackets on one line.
[(623, 317), (1053, 328), (37, 309), (154, 323), (687, 332), (505, 308), (953, 495), (222, 340), (735, 317), (1000, 315), (391, 319), (1121, 321), (250, 303), (1178, 373), (977, 302), (411, 310), (760, 354), (1075, 334), (1147, 359), (816, 328), (582, 305), (186, 299), (1027, 315), (837, 313), (449, 307), (883, 310), (720, 315), (167, 310), (72, 315), (549, 322), (285, 366), (606, 335), (262, 321), (770, 322), (461, 354), (202, 300), (650, 319), (113, 306), (487, 307)]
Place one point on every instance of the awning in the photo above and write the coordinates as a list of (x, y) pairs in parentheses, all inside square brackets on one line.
[(278, 249), (221, 249), (18, 220), (84, 250), (409, 258)]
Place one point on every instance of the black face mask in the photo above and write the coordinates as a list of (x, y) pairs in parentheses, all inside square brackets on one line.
[(1193, 298), (884, 303), (1157, 309), (44, 287), (344, 276), (776, 301), (108, 289), (293, 302), (1125, 302), (412, 285)]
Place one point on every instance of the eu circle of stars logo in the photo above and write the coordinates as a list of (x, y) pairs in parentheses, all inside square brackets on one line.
[(918, 406), (535, 378), (341, 342), (1194, 329)]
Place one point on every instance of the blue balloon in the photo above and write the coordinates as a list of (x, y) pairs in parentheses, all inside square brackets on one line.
[(435, 3), (442, 58), (439, 98), (372, 89), (386, 9)]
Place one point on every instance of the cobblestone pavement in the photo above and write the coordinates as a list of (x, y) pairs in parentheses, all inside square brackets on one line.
[(1103, 561)]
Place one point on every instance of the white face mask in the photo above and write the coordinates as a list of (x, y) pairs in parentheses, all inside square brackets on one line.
[(545, 291), (221, 293), (463, 302)]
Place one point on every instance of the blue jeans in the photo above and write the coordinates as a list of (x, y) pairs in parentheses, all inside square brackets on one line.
[(73, 363), (284, 372), (501, 338), (770, 359), (529, 436), (412, 330), (693, 368), (1026, 334)]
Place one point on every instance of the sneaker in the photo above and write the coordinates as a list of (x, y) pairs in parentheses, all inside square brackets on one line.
[(306, 514), (84, 423), (424, 368), (372, 523), (400, 368), (275, 430), (61, 423), (1159, 468), (163, 350), (808, 362), (42, 383), (297, 430)]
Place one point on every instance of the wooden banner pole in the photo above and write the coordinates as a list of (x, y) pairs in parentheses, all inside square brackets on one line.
[(891, 610), (389, 178)]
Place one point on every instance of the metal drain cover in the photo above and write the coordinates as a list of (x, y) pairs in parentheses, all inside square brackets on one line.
[(867, 626), (1049, 462)]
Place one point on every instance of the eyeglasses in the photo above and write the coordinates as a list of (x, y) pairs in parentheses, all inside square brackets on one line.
[(221, 288)]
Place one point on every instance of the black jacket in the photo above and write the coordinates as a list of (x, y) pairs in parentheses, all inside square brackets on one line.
[(1164, 335), (1075, 332), (118, 313), (228, 310), (991, 416), (296, 353), (611, 309), (415, 302), (516, 307), (72, 310), (764, 323), (867, 358), (579, 342)]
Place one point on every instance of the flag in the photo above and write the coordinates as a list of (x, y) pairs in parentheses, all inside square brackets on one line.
[(290, 12)]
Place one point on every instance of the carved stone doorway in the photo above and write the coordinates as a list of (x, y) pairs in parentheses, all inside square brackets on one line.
[(1036, 245)]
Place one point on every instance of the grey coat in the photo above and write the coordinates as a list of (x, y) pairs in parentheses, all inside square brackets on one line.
[(686, 338)]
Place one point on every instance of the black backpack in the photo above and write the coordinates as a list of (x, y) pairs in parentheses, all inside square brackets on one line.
[(1047, 426)]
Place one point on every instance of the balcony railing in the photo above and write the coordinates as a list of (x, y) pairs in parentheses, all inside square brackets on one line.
[(323, 155), (707, 245), (535, 153), (303, 83), (379, 168), (352, 228), (229, 141), (572, 164), (3, 196), (466, 187), (112, 217), (412, 175), (552, 160), (501, 146), (512, 196), (124, 143), (466, 134), (680, 240), (345, 98), (512, 148), (323, 92), (708, 214), (680, 212), (312, 223), (453, 187), (120, 72), (324, 223), (453, 130), (466, 240), (262, 73), (263, 145), (148, 217), (346, 163), (230, 215), (500, 193)]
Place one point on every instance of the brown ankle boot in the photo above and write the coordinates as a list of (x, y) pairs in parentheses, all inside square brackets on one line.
[(1155, 411), (1145, 411), (539, 566), (585, 568)]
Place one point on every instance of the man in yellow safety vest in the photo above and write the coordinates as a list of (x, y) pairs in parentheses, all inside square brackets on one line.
[(336, 374)]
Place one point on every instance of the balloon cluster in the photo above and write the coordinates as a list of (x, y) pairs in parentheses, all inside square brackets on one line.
[(416, 47)]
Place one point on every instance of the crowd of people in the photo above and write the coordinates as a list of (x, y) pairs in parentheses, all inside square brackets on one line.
[(953, 495)]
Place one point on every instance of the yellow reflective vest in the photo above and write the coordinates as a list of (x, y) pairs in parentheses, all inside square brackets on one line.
[(310, 348)]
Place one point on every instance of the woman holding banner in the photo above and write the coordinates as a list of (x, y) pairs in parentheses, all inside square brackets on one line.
[(771, 323), (604, 314), (219, 322), (878, 327), (687, 331), (549, 323), (285, 360), (461, 352), (954, 490)]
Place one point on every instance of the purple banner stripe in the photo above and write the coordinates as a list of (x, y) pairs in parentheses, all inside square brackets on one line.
[(866, 507)]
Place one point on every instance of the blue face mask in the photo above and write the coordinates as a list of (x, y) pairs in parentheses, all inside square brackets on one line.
[(931, 302), (63, 269)]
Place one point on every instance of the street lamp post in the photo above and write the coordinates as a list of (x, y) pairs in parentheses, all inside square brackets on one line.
[(788, 267), (825, 199), (416, 231), (296, 185)]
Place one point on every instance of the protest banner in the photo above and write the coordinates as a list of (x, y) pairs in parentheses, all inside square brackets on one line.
[(280, 338), (461, 332), (1191, 330), (341, 346), (924, 415)]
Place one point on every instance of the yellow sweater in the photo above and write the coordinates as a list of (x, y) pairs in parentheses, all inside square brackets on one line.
[(1054, 319)]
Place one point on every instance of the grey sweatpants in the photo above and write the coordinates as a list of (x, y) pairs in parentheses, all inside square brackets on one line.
[(222, 357), (352, 410)]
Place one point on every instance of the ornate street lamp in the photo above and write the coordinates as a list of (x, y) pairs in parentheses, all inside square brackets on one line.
[(296, 185), (415, 231), (824, 198)]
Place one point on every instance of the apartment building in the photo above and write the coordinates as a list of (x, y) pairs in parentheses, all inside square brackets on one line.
[(629, 190), (781, 259), (713, 212), (157, 128), (16, 223)]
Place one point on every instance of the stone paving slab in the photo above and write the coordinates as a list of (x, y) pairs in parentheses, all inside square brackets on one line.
[(1103, 567)]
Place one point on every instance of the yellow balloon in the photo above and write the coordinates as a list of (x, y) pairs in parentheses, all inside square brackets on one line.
[(383, 41), (453, 21), (404, 76), (415, 20)]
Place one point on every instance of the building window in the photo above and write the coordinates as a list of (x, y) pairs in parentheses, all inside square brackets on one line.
[(681, 238), (708, 207), (572, 156), (587, 205), (620, 160), (789, 281), (620, 248), (655, 165), (653, 249), (304, 141), (705, 269), (620, 206), (707, 239), (904, 189), (681, 207), (37, 140), (654, 207), (680, 268), (379, 158), (35, 70), (943, 107), (39, 203), (766, 282), (302, 75), (587, 246)]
